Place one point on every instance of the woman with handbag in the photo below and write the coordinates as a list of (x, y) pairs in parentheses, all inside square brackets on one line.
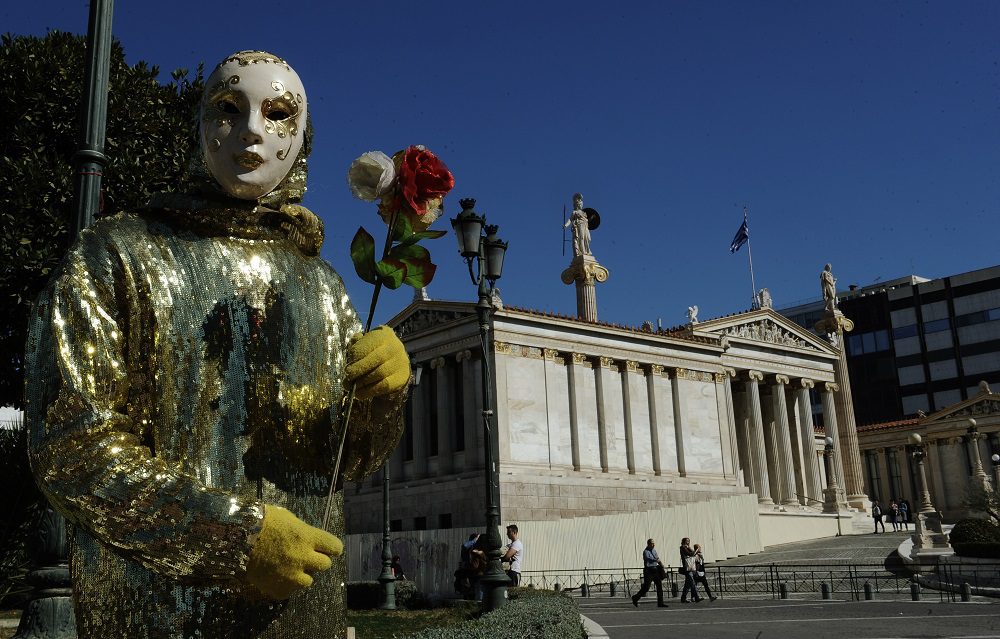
[(689, 567)]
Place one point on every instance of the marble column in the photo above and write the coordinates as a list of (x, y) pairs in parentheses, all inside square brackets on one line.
[(740, 402), (440, 366), (473, 457), (727, 423), (630, 367), (755, 439), (783, 444), (572, 372), (807, 435), (770, 446), (934, 467), (652, 372), (676, 376), (830, 422), (603, 431)]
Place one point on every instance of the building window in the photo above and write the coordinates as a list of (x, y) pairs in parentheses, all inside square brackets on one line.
[(419, 523), (444, 520), (895, 478), (978, 317), (900, 332), (874, 481), (937, 326), (870, 342)]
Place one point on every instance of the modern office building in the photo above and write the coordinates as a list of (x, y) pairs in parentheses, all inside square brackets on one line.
[(918, 345)]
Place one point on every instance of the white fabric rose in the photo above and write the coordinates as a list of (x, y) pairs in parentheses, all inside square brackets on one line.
[(371, 176)]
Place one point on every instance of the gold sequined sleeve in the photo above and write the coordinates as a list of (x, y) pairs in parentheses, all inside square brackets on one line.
[(375, 428), (89, 416)]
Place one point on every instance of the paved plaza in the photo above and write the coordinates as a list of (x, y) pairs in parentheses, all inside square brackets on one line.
[(892, 614)]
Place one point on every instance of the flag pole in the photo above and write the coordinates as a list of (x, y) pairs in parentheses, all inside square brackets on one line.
[(753, 284)]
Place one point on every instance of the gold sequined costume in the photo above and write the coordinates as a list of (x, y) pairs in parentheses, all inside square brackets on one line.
[(185, 367)]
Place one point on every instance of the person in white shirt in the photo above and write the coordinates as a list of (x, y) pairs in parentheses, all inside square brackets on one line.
[(514, 554)]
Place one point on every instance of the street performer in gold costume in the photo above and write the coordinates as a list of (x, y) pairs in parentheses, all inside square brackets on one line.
[(186, 373)]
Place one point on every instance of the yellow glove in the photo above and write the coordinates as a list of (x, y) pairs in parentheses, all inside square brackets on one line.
[(377, 363), (287, 552)]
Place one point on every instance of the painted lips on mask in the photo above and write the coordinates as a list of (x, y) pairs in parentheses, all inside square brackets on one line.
[(248, 160)]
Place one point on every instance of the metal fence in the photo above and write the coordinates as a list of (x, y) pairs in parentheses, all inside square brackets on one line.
[(777, 580)]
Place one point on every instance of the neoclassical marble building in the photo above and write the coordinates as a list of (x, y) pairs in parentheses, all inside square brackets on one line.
[(956, 458), (595, 418)]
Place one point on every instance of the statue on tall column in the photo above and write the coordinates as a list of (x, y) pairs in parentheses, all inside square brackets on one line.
[(581, 227), (828, 283), (186, 370)]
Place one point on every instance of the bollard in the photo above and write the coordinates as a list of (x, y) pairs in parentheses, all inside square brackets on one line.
[(915, 591), (584, 590), (674, 589), (824, 589), (966, 591), (613, 588), (869, 594), (783, 590), (557, 587)]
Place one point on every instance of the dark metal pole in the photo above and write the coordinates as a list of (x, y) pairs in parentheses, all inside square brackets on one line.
[(89, 160), (387, 579), (495, 580), (49, 613)]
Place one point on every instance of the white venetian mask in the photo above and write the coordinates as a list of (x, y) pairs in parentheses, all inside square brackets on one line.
[(253, 116)]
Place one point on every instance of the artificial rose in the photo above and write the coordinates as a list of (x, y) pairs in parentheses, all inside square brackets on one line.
[(423, 178), (371, 176)]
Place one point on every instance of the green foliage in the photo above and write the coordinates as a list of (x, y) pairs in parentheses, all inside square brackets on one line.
[(530, 614), (21, 506), (367, 595), (980, 550), (151, 133), (985, 500), (974, 531), (404, 261)]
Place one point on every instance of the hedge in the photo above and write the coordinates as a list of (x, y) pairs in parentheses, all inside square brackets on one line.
[(529, 614), (972, 530), (978, 549), (367, 595)]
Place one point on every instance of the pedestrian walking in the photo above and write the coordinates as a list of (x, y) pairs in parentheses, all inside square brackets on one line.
[(652, 572), (699, 574), (689, 566), (877, 516), (904, 513)]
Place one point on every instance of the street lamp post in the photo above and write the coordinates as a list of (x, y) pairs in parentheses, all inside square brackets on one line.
[(487, 251), (387, 579), (979, 478), (995, 458), (830, 504), (929, 540)]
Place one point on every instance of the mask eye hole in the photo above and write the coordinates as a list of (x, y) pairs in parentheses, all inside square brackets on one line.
[(277, 115), (226, 105)]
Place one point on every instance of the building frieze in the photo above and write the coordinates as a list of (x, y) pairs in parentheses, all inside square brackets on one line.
[(427, 319)]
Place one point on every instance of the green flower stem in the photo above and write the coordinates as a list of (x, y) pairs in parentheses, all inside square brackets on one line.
[(351, 393)]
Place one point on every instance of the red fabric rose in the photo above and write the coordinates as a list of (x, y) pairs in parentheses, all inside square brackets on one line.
[(422, 177)]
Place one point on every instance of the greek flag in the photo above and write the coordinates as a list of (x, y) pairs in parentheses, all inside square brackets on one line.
[(742, 236)]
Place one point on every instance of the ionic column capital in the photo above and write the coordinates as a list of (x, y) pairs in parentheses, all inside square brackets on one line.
[(632, 367), (462, 356), (807, 383), (781, 379), (655, 369), (437, 362), (831, 387), (578, 358), (550, 354), (609, 362), (755, 376)]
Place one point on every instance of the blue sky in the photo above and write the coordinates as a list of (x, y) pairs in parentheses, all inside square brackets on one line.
[(862, 134)]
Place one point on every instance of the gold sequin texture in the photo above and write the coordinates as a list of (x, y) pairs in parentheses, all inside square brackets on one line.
[(185, 368)]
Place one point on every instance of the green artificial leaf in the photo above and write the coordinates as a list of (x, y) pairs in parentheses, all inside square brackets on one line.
[(417, 260), (416, 237), (363, 256), (419, 273), (391, 272)]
